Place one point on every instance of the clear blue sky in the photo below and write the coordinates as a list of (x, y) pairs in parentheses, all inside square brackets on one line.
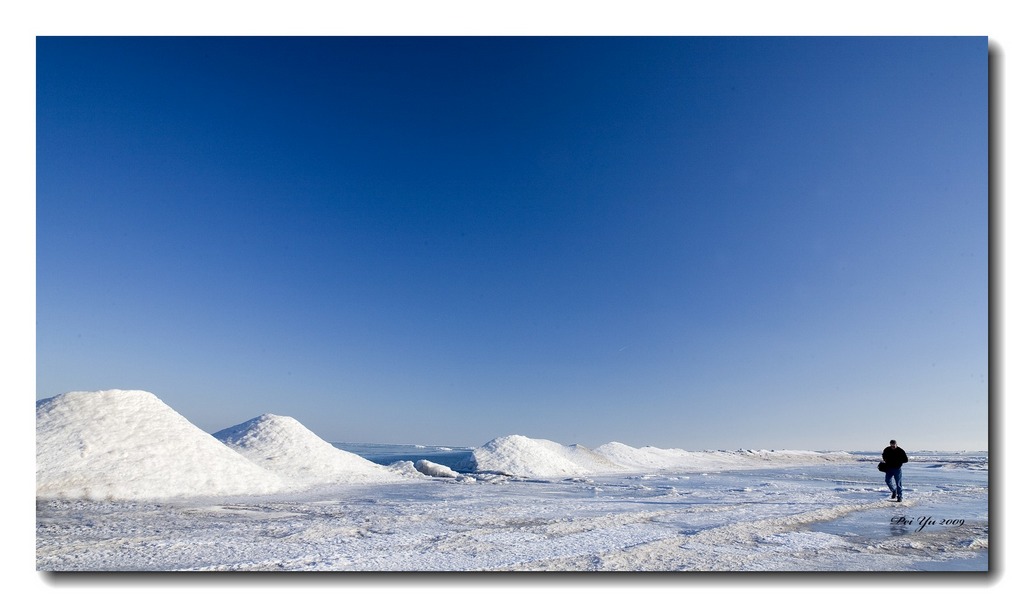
[(684, 242)]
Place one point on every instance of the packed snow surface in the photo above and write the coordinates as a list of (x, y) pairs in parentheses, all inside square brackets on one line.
[(822, 517)]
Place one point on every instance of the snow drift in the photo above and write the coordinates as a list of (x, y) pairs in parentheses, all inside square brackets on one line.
[(128, 444), (429, 468), (283, 445)]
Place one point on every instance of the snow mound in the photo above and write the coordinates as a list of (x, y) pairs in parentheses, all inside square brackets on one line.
[(590, 459), (405, 468), (517, 455), (283, 445), (128, 444), (645, 458)]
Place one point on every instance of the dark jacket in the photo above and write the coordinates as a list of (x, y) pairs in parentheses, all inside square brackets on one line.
[(895, 457)]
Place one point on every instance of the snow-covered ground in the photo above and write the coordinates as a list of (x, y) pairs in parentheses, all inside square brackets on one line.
[(125, 483)]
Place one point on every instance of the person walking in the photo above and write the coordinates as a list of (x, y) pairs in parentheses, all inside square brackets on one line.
[(894, 458)]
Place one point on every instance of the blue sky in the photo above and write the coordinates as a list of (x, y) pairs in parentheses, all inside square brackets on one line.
[(684, 242)]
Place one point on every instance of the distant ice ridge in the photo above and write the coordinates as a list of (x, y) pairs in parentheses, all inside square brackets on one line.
[(528, 457), (128, 444)]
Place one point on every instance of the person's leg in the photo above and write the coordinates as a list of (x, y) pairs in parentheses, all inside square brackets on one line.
[(889, 482), (898, 478)]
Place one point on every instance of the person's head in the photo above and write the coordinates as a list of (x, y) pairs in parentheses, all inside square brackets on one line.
[(892, 443)]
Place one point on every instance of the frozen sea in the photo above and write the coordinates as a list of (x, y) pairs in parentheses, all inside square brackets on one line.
[(825, 517)]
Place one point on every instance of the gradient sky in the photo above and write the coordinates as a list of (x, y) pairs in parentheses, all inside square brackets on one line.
[(682, 242)]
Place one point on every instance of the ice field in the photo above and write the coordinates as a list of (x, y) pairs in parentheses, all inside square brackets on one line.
[(132, 502)]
